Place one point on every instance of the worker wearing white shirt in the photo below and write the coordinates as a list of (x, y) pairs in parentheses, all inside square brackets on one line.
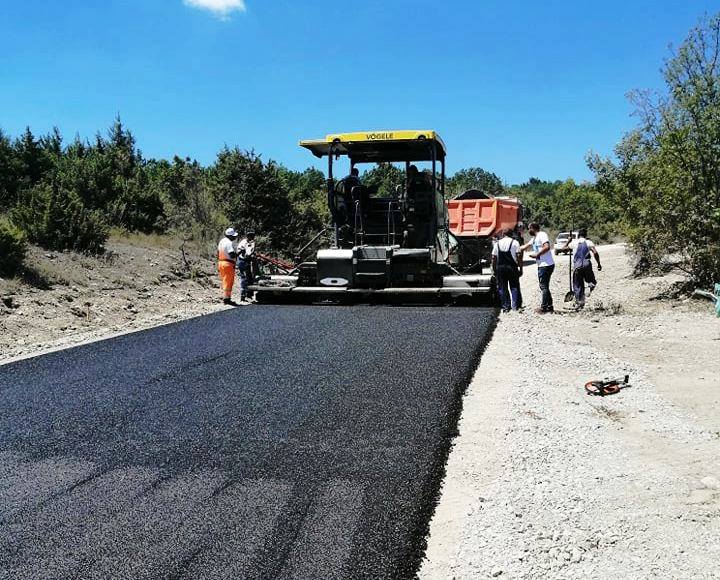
[(542, 253), (246, 263), (226, 264)]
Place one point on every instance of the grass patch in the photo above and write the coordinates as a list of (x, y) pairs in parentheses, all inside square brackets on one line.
[(612, 414), (140, 240), (609, 308), (676, 291), (45, 275), (10, 286)]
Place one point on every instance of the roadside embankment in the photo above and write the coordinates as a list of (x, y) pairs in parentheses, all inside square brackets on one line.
[(70, 298)]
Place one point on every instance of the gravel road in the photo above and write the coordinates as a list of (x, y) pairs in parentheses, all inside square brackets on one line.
[(545, 481), (262, 442)]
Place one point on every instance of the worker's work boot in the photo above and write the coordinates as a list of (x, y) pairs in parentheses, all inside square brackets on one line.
[(229, 302)]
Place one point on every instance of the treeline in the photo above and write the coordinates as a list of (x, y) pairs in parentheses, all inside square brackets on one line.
[(665, 175), (556, 205), (70, 196)]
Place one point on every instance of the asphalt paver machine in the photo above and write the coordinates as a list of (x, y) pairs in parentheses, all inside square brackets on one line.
[(391, 246)]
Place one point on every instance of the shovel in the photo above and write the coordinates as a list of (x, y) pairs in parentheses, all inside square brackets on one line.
[(570, 296)]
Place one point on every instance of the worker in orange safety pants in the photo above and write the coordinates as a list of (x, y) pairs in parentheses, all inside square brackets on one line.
[(227, 254)]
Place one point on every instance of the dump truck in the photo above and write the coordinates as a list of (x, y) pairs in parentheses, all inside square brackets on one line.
[(476, 220), (394, 246)]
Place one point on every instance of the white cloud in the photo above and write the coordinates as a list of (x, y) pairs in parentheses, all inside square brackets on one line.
[(221, 8)]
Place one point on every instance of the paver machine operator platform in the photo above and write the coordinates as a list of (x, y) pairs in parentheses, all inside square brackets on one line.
[(395, 245)]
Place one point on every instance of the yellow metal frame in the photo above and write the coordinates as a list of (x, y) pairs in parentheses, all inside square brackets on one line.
[(386, 136)]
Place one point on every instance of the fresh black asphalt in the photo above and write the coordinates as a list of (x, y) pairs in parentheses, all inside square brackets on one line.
[(260, 442)]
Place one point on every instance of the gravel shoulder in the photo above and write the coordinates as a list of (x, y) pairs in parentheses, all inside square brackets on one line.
[(546, 481)]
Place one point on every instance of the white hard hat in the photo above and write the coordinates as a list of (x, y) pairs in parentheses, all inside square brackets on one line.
[(230, 232)]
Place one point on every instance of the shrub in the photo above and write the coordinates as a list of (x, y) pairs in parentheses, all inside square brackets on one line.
[(665, 179), (12, 248), (57, 219)]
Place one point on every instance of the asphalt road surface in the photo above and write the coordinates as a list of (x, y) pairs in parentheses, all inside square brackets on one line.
[(260, 442)]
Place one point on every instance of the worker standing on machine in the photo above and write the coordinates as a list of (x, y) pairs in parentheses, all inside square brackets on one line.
[(352, 179), (246, 264), (227, 255), (344, 189)]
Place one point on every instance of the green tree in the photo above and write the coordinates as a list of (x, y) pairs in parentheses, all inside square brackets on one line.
[(9, 173), (307, 192), (12, 248), (134, 205), (188, 206), (474, 178), (666, 176), (52, 145), (56, 218), (561, 205), (251, 194), (386, 177), (34, 164), (108, 176)]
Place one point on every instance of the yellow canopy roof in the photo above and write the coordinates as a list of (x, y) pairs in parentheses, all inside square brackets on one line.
[(380, 146)]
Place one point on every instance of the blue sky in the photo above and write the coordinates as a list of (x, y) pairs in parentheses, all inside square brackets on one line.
[(522, 88)]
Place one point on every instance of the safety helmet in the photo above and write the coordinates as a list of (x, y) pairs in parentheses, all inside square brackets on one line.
[(231, 233)]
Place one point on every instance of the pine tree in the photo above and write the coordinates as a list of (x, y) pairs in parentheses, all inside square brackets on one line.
[(34, 164), (9, 173)]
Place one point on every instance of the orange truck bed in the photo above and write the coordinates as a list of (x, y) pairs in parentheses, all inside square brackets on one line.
[(482, 217)]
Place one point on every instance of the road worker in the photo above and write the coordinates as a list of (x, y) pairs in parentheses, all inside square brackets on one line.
[(542, 253), (227, 255), (519, 235), (351, 180), (507, 265), (246, 264), (582, 266)]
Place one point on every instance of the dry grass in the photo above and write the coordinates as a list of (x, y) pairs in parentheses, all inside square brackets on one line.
[(611, 414), (139, 240), (532, 414), (609, 308), (48, 273), (10, 286)]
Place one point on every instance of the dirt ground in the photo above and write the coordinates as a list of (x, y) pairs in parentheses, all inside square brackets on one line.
[(545, 481), (71, 298)]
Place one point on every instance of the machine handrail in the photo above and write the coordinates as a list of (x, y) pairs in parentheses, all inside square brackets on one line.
[(391, 217), (358, 218), (299, 254)]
